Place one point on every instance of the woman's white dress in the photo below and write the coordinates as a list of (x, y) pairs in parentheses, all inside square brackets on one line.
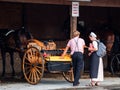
[(100, 71)]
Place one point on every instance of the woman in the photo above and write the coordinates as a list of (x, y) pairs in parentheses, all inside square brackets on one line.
[(96, 64), (76, 45)]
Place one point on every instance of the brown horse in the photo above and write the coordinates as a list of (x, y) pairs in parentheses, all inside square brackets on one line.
[(13, 41)]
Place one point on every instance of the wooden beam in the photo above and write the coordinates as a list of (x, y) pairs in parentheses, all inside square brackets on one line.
[(101, 3), (36, 1), (73, 23)]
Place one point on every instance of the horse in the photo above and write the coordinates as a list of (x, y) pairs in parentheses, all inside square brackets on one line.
[(12, 41)]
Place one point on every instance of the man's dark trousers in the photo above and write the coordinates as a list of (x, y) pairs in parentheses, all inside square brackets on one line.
[(77, 61)]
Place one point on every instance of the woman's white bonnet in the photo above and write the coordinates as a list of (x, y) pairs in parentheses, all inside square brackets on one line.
[(93, 34)]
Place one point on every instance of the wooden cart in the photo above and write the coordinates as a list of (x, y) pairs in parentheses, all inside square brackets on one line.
[(35, 63)]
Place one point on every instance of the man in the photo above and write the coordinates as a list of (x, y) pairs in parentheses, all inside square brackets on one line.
[(76, 46)]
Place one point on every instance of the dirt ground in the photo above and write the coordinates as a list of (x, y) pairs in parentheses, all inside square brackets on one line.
[(8, 78)]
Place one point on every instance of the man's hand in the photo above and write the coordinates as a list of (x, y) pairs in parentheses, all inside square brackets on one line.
[(62, 56)]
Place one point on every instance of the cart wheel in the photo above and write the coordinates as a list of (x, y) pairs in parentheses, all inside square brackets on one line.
[(69, 76), (115, 65), (33, 65)]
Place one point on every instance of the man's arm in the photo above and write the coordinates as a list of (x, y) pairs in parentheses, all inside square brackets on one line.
[(65, 51)]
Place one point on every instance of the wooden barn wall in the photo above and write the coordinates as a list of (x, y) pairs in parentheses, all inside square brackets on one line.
[(97, 16), (47, 20), (10, 15)]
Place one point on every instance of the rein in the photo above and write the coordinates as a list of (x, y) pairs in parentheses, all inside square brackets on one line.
[(9, 32)]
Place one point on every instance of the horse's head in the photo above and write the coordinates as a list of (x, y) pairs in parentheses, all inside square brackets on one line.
[(22, 38)]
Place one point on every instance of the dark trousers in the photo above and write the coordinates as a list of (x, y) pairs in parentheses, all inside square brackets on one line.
[(94, 64), (77, 61)]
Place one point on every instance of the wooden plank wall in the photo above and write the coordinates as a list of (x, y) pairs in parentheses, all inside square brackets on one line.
[(10, 15)]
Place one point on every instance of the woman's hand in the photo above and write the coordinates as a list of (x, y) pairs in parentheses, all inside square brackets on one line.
[(89, 53), (90, 49)]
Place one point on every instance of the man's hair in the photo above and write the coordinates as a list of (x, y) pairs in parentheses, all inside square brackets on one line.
[(76, 33)]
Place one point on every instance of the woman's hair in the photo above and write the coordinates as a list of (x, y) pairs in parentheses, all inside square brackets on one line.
[(76, 33)]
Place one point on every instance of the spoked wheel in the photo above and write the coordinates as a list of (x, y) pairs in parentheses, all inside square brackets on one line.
[(115, 65), (33, 65), (69, 76)]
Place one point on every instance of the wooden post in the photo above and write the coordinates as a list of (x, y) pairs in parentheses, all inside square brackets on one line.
[(73, 25), (74, 13)]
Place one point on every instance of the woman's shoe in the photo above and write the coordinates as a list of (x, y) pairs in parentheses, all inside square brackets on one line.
[(91, 84), (97, 84)]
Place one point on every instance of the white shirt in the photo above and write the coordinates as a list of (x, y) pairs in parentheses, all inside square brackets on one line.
[(95, 45)]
